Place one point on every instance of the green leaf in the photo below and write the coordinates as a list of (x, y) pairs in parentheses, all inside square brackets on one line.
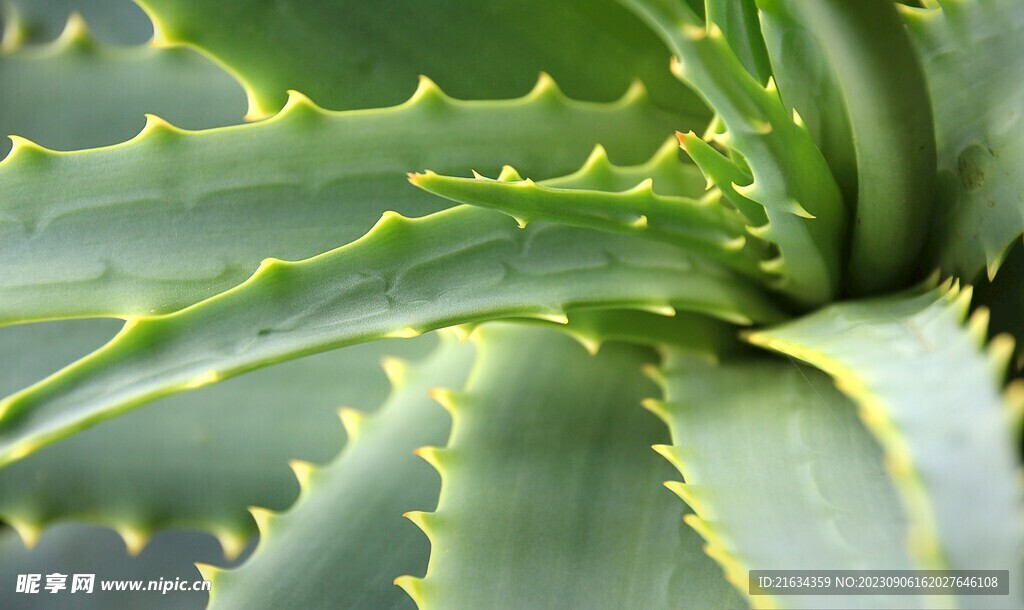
[(172, 217), (657, 328), (1003, 296), (932, 400), (403, 278), (881, 88), (192, 461), (791, 180), (566, 511), (808, 83), (770, 451), (973, 56), (670, 174), (115, 21), (593, 47), (741, 27), (82, 549), (77, 92), (344, 541), (704, 227)]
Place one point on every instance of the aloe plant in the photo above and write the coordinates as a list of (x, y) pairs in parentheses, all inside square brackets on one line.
[(441, 287)]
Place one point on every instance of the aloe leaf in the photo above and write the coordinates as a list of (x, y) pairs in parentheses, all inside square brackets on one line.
[(670, 174), (655, 328), (808, 84), (344, 541), (704, 227), (973, 57), (593, 47), (1003, 296), (517, 521), (805, 214), (403, 278), (741, 27), (932, 399), (76, 92), (88, 233), (208, 454), (770, 451), (116, 21), (84, 549), (882, 91)]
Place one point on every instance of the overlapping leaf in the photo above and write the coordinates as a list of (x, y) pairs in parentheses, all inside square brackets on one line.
[(850, 66), (83, 549), (345, 540), (932, 400), (802, 207), (780, 475), (403, 278), (973, 56), (117, 21), (77, 92), (565, 511), (349, 54), (194, 461), (88, 233), (703, 226)]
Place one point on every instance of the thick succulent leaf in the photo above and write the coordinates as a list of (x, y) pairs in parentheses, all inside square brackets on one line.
[(806, 218), (344, 541), (116, 21), (1003, 296), (705, 227), (208, 454), (566, 512), (741, 27), (88, 233), (84, 549), (932, 400), (592, 46), (881, 88), (770, 451), (78, 93), (973, 56), (403, 278), (807, 83), (656, 328), (670, 174)]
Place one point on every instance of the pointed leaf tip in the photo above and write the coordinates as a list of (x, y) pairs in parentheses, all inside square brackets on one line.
[(443, 397), (420, 519), (428, 93), (28, 532), (394, 369), (21, 146), (411, 585), (556, 318), (156, 125), (298, 101), (636, 93), (430, 455), (232, 544), (656, 407), (545, 88), (75, 33), (352, 421), (134, 538), (207, 571), (509, 174), (303, 472), (262, 517)]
